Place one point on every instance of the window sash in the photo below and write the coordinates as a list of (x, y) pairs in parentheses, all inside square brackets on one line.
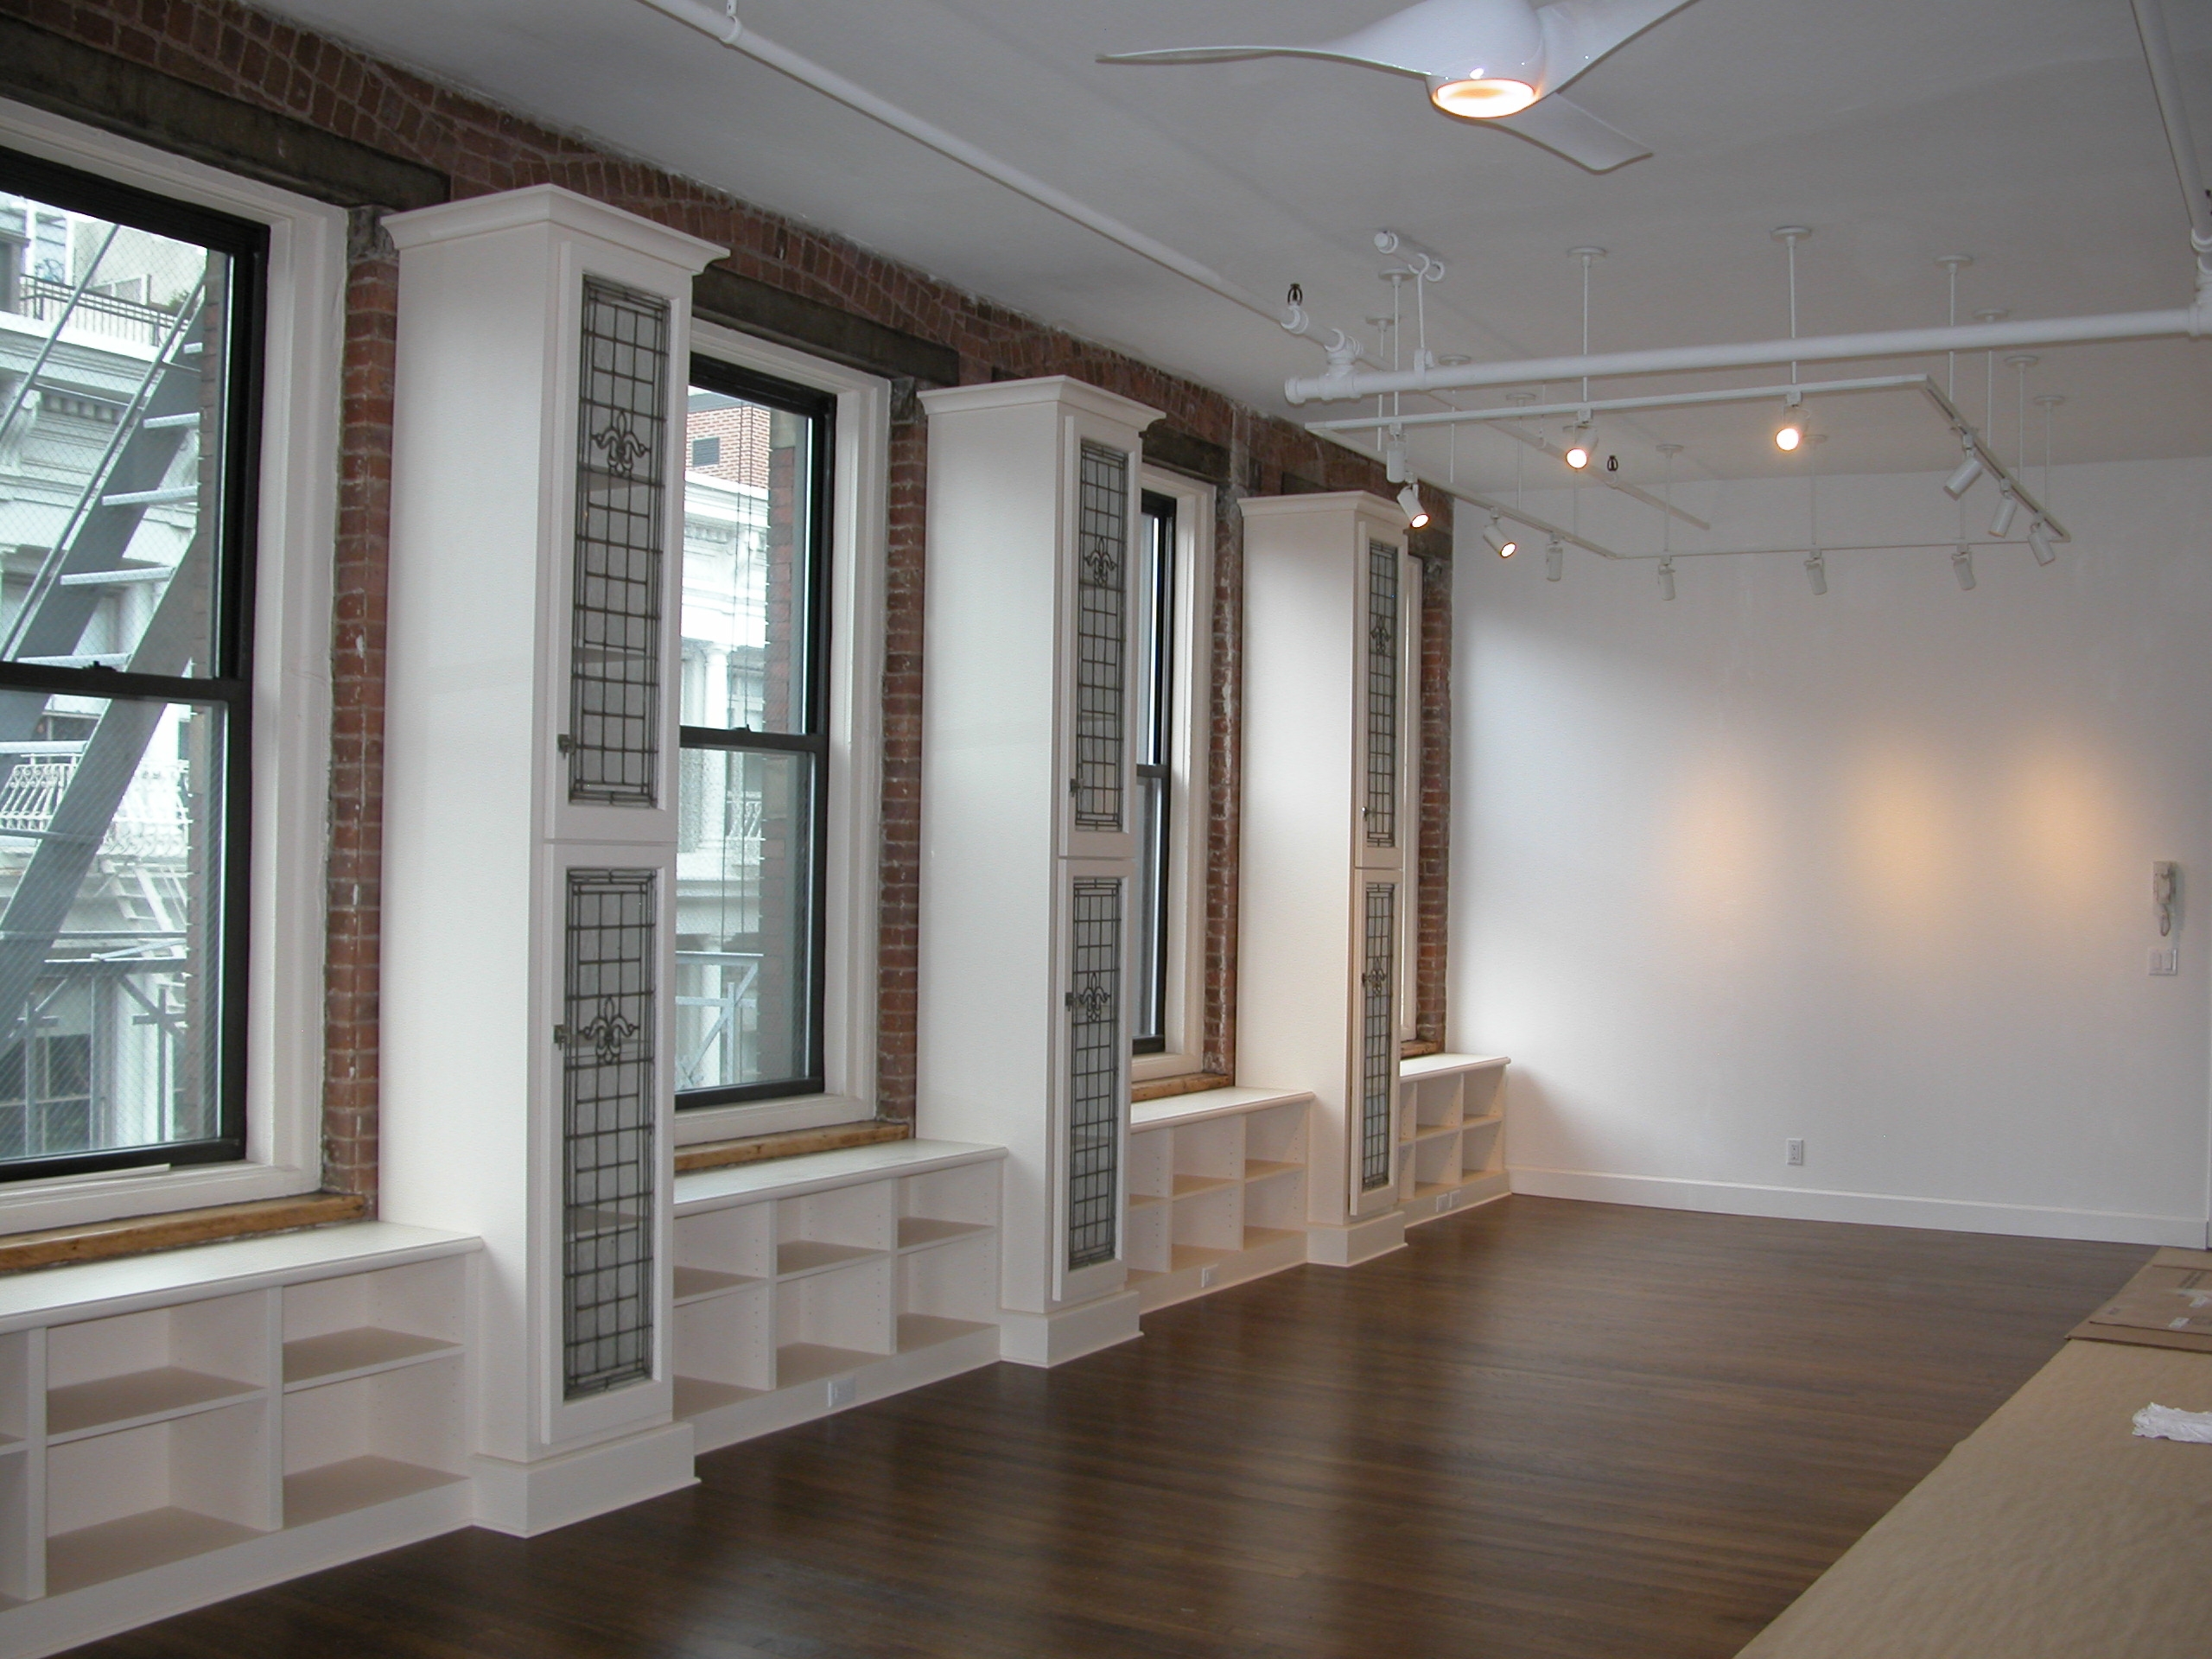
[(812, 651), (226, 681), (1152, 905)]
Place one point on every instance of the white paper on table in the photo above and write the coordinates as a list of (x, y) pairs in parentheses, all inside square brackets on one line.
[(2156, 1422)]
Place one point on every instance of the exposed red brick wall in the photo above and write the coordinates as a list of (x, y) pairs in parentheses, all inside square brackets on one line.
[(261, 61), (353, 873)]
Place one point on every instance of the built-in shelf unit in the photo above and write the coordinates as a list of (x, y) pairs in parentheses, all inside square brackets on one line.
[(1451, 1133), (810, 1284), (178, 1428), (1216, 1191)]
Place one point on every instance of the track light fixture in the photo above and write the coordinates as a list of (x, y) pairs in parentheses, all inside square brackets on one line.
[(1581, 442), (1666, 579), (1962, 568), (1500, 544), (1789, 436), (1554, 559), (2039, 539), (1416, 514), (1817, 572), (1962, 480), (1393, 459), (2008, 506)]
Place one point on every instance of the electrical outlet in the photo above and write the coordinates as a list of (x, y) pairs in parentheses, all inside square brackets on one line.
[(2165, 959), (1793, 1153), (841, 1390), (1205, 1278)]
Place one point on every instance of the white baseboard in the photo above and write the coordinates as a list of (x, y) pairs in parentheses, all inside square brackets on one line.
[(1056, 1339), (745, 1420), (1331, 1246), (527, 1498), (1872, 1209), (1156, 1290)]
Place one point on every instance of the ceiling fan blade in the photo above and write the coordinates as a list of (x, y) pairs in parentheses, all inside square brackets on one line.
[(1577, 33), (1231, 54), (1569, 130)]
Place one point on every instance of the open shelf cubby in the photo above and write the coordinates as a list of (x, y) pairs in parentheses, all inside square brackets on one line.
[(1216, 1191), (815, 1283), (173, 1407), (1451, 1133)]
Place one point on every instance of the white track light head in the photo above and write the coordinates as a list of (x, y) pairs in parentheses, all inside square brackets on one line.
[(1816, 573), (1666, 579), (1789, 436), (1581, 444), (1554, 559), (1962, 480), (1416, 514), (2008, 505), (1500, 544), (2039, 539), (1394, 462), (1962, 568)]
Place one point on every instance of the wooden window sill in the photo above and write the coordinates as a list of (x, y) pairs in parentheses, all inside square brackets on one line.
[(100, 1240), (1168, 1088), (786, 1143)]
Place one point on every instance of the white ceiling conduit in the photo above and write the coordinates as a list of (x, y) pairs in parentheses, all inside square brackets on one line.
[(723, 25), (1344, 381)]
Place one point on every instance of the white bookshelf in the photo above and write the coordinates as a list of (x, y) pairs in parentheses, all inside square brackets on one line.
[(810, 1284), (1216, 1191), (255, 1409), (1451, 1146)]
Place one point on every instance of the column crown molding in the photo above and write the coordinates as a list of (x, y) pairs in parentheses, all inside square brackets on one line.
[(1315, 506), (1060, 389), (551, 204)]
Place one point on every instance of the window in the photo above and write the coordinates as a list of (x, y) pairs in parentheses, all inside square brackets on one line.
[(1171, 612), (1154, 642), (752, 794), (127, 506)]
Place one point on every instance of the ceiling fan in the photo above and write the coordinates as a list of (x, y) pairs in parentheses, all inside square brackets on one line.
[(1501, 60)]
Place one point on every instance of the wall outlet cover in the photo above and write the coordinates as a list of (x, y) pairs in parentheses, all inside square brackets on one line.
[(1205, 1278), (842, 1391), (2165, 959), (1793, 1152)]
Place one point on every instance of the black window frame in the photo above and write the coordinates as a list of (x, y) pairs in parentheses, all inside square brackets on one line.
[(229, 685), (714, 374), (1157, 739)]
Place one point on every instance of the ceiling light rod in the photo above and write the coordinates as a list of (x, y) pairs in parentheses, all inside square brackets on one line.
[(1604, 405), (721, 23), (1498, 509), (2193, 321), (1801, 550)]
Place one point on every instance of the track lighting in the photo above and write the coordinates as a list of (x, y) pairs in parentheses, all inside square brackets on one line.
[(1416, 514), (1789, 436), (1554, 559), (1816, 573), (1968, 470), (1394, 460), (1500, 544), (1666, 578), (1962, 568), (1581, 444), (2008, 504), (2039, 539)]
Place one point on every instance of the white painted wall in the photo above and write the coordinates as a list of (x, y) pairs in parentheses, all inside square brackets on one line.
[(1873, 870)]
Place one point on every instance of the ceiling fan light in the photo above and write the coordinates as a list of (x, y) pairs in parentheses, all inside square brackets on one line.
[(1481, 99)]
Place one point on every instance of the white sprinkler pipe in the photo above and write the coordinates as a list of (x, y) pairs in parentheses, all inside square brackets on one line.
[(723, 24), (2165, 86)]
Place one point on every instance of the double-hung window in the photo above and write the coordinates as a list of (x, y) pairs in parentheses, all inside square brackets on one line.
[(129, 328), (752, 797), (1155, 659)]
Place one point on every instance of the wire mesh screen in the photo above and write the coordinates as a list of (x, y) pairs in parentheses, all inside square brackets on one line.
[(1381, 814), (1095, 1045), (1102, 635), (1378, 1035), (621, 469), (608, 1131)]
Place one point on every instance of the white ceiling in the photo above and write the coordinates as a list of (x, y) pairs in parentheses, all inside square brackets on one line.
[(2020, 131)]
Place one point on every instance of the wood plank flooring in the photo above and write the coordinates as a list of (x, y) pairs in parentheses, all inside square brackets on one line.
[(1544, 1429)]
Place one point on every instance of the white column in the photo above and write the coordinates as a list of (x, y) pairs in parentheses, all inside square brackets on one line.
[(1021, 874), (481, 830), (1326, 840)]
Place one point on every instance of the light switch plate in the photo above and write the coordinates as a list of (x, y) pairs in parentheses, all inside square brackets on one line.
[(2165, 959)]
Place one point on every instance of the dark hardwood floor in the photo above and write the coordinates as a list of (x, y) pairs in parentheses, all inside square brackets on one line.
[(1544, 1428)]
